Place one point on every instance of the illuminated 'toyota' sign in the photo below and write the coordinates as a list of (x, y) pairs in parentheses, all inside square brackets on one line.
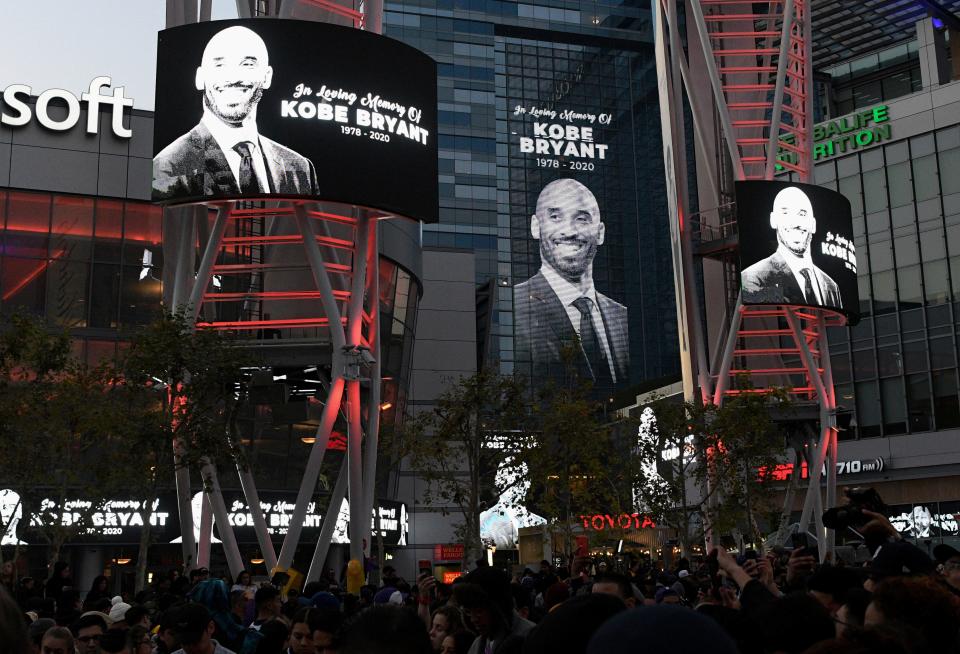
[(601, 521), (15, 95)]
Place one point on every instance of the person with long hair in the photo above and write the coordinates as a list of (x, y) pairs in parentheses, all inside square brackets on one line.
[(446, 621), (98, 590), (60, 579)]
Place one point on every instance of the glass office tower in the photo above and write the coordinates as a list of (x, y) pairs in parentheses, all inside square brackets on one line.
[(569, 65)]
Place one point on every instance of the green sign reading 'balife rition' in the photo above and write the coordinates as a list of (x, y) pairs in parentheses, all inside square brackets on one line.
[(851, 132)]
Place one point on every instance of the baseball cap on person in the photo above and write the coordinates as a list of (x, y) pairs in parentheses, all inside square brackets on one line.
[(899, 558), (385, 595), (190, 622)]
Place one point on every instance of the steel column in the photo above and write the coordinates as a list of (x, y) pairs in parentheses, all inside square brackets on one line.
[(355, 432), (212, 490), (826, 434), (675, 199), (329, 524), (715, 82), (773, 139), (831, 425), (373, 16), (373, 403), (202, 280), (327, 299), (256, 511), (206, 531), (723, 376)]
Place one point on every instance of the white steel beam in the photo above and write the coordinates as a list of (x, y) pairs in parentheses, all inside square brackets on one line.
[(206, 532), (212, 491), (330, 517), (202, 280), (703, 36), (674, 196), (355, 432), (773, 141), (373, 401)]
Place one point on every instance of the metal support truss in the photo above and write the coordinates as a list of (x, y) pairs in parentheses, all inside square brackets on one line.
[(341, 249), (747, 75), (352, 329)]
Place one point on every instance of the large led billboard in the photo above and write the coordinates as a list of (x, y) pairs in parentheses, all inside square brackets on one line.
[(796, 246), (268, 108), (590, 251)]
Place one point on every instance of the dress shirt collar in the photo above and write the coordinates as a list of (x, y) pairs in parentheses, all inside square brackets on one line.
[(228, 136), (795, 263), (567, 292)]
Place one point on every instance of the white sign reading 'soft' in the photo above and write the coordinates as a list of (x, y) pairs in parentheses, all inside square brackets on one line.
[(15, 96)]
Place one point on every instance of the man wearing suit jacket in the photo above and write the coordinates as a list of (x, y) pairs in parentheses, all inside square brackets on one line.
[(559, 306), (788, 276), (225, 154)]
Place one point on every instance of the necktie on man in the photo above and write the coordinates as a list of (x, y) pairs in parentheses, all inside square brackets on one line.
[(248, 176), (808, 292), (589, 340)]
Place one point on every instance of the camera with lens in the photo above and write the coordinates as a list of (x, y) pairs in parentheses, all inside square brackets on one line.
[(851, 514)]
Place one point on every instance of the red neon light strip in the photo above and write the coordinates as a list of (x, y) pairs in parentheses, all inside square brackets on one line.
[(772, 371), (716, 18), (772, 350), (285, 240), (747, 87), (799, 390), (279, 323), (749, 105), (32, 275), (332, 216), (334, 8), (250, 267), (747, 69), (743, 35), (730, 52), (272, 295), (773, 332)]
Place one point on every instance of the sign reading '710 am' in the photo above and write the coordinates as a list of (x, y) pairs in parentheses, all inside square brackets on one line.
[(851, 132)]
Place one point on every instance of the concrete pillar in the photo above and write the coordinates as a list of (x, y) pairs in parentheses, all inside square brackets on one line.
[(932, 47)]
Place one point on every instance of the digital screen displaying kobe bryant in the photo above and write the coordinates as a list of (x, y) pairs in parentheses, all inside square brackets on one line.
[(295, 109), (585, 254), (796, 246)]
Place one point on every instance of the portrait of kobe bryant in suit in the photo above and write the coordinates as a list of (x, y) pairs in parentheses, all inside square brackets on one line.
[(225, 154), (789, 276), (560, 305)]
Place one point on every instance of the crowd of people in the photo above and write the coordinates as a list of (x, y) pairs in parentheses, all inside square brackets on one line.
[(785, 601)]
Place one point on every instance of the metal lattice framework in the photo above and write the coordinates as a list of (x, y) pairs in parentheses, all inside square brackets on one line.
[(340, 246), (748, 78)]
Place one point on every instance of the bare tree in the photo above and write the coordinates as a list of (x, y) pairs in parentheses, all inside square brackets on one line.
[(454, 447)]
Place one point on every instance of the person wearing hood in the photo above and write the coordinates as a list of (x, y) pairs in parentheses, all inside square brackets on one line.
[(487, 600)]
